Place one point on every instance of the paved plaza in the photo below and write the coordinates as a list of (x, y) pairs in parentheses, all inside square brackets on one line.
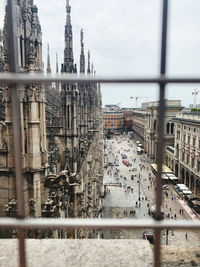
[(122, 193)]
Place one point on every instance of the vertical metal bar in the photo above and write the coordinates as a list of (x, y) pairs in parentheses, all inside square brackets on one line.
[(12, 48), (160, 145)]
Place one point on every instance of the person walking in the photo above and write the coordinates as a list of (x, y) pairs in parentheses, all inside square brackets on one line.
[(186, 236)]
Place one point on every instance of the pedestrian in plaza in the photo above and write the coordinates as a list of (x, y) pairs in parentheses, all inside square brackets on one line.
[(166, 206), (180, 211), (170, 209), (175, 216), (172, 198), (186, 236)]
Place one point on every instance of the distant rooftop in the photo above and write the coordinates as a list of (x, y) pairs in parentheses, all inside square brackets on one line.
[(168, 103)]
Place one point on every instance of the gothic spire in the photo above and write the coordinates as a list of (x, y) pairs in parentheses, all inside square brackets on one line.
[(57, 64), (88, 70), (68, 53), (48, 60), (82, 57), (57, 71)]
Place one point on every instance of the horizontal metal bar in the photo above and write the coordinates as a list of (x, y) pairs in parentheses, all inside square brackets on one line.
[(44, 223), (70, 78)]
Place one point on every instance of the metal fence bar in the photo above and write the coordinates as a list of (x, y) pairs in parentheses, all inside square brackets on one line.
[(41, 78), (129, 224), (13, 66), (160, 145)]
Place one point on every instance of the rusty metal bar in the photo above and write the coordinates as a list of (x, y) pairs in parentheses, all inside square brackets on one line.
[(12, 48), (129, 224), (70, 78), (160, 145)]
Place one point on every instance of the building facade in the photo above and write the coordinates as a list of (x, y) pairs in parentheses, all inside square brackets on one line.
[(184, 157), (145, 125), (113, 120), (151, 126), (62, 132)]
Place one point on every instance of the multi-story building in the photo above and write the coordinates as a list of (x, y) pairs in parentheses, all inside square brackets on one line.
[(113, 118), (139, 122), (151, 126), (145, 125), (128, 120), (184, 157)]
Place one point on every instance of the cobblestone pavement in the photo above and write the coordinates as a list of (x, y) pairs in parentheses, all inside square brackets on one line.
[(122, 199)]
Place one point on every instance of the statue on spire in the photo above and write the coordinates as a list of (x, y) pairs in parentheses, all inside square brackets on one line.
[(48, 61), (68, 65), (88, 70), (68, 7), (82, 57)]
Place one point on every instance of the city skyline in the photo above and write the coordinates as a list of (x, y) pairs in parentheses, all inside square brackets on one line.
[(117, 46)]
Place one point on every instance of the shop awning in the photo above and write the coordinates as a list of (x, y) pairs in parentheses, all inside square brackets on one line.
[(165, 169), (196, 202), (192, 197), (164, 176), (172, 176), (187, 192)]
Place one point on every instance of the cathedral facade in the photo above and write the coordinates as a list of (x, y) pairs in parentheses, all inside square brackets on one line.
[(61, 131)]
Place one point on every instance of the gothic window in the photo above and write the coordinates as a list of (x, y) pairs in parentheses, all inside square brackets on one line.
[(183, 156), (21, 50), (194, 141), (184, 138), (154, 126), (177, 135), (198, 166), (192, 162), (172, 128), (168, 127), (177, 150), (188, 139), (68, 118), (36, 47), (188, 159)]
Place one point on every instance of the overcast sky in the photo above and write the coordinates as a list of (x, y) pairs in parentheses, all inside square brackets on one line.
[(124, 39)]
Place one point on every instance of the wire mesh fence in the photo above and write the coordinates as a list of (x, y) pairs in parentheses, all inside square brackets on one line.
[(14, 79)]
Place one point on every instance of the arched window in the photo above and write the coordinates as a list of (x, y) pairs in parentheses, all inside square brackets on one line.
[(177, 150), (154, 125), (172, 128), (198, 166), (168, 126), (183, 156)]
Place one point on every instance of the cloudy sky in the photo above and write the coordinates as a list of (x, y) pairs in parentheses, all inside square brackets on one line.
[(124, 39)]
